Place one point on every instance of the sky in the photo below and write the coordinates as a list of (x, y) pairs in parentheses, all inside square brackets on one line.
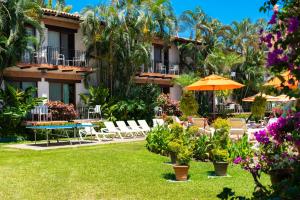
[(224, 10)]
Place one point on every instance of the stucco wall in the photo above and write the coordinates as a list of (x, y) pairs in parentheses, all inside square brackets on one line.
[(43, 89), (175, 92), (173, 55), (79, 89), (79, 45)]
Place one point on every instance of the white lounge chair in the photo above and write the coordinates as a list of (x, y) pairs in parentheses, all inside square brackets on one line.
[(203, 125), (238, 127), (124, 128), (110, 128), (144, 125), (158, 122), (90, 131), (134, 126)]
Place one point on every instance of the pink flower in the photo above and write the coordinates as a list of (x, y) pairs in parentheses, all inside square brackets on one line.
[(238, 160)]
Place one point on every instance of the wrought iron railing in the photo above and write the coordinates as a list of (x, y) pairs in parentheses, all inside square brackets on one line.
[(55, 56), (158, 67)]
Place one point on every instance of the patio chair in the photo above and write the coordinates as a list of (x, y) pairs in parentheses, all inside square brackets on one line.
[(90, 131), (95, 110), (204, 128), (124, 129), (110, 128), (41, 111), (230, 107), (158, 122), (238, 127), (40, 56), (134, 126), (161, 68), (144, 125), (80, 60), (57, 57), (174, 69)]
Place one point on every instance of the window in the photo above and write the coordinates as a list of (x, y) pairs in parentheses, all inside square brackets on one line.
[(64, 92)]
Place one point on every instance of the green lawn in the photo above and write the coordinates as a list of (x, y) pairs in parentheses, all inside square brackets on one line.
[(112, 171)]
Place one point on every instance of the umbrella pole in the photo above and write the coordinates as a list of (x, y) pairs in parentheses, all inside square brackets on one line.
[(214, 108)]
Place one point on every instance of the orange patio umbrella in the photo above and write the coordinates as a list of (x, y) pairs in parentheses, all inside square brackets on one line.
[(276, 82), (268, 97), (212, 83)]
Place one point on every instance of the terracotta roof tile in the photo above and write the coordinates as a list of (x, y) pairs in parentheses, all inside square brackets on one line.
[(48, 11)]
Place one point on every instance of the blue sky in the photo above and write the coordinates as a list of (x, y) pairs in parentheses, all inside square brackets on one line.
[(224, 10)]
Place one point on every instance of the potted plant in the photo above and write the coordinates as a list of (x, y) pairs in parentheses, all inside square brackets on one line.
[(173, 148), (220, 159), (181, 167)]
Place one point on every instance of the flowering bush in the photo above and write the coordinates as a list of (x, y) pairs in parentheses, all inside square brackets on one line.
[(62, 111), (274, 149), (278, 111), (169, 106)]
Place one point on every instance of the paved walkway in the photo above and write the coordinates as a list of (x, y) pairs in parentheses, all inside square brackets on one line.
[(75, 143)]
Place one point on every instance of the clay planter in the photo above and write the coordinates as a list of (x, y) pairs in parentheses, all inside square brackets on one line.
[(221, 168), (173, 158), (279, 175), (181, 172)]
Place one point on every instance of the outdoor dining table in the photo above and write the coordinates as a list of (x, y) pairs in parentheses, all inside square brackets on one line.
[(49, 130)]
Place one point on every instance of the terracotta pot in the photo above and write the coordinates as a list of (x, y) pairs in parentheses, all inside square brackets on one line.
[(181, 172), (221, 168), (173, 158), (279, 175)]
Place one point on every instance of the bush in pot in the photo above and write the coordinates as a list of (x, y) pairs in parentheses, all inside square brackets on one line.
[(184, 156), (220, 158)]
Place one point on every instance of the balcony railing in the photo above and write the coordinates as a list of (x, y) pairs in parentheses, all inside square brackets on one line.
[(55, 56), (158, 67)]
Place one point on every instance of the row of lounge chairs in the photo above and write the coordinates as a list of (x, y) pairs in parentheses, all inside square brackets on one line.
[(141, 128), (110, 131)]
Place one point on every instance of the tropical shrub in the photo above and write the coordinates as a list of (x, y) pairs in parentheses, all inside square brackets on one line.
[(148, 94), (96, 96), (192, 131), (240, 148), (184, 156), (169, 106), (258, 107), (158, 140), (129, 109), (186, 79), (14, 106), (220, 155), (62, 111), (188, 104), (202, 148)]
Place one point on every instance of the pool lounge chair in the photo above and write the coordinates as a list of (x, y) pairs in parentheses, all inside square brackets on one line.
[(238, 127), (134, 126), (110, 128), (144, 125), (90, 131), (124, 129), (204, 128), (158, 122)]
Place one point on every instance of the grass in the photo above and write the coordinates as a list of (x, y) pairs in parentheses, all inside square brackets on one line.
[(112, 171)]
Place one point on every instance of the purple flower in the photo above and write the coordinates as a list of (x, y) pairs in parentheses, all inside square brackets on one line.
[(278, 35), (237, 160), (293, 24), (273, 18), (262, 137)]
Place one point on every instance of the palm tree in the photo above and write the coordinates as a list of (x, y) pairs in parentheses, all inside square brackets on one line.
[(14, 16), (114, 36), (60, 5)]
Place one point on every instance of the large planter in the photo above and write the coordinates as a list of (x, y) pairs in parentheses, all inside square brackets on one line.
[(221, 168), (181, 172), (173, 158), (279, 175)]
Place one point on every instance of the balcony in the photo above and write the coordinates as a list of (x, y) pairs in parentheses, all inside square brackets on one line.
[(55, 56), (158, 67)]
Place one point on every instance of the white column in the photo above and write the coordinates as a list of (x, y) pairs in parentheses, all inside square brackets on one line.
[(43, 89)]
